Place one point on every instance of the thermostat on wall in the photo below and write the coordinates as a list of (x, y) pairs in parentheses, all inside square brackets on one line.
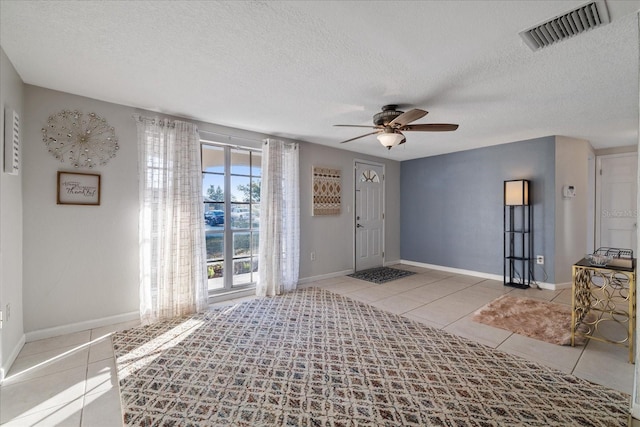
[(568, 192)]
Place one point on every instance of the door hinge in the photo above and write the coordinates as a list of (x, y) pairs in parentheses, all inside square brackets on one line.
[(1, 319), (383, 215), (600, 172), (382, 254)]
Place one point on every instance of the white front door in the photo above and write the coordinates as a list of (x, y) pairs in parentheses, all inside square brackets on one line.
[(369, 216), (617, 195)]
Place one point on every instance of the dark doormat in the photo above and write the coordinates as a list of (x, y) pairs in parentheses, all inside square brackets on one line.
[(381, 274)]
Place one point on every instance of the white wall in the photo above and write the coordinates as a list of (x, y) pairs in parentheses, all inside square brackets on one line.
[(81, 262), (12, 334), (332, 237), (572, 215)]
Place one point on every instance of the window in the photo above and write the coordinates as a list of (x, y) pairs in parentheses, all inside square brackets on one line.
[(231, 186), (369, 176)]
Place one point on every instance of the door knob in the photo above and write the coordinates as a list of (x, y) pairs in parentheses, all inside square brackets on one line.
[(359, 226)]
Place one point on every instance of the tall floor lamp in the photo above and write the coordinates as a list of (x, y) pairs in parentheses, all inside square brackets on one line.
[(517, 234)]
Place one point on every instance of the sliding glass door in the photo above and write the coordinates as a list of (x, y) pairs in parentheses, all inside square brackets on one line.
[(231, 186)]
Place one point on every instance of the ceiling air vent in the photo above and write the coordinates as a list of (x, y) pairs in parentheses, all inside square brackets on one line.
[(574, 22)]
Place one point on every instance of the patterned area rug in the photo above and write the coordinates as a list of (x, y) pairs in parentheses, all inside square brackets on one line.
[(315, 358), (381, 274)]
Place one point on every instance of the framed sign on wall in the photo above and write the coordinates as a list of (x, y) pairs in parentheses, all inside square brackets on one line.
[(75, 188)]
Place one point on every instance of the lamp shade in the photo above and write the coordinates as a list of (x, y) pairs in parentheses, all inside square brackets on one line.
[(516, 192), (390, 139)]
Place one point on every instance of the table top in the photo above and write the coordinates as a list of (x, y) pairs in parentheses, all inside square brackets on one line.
[(585, 263)]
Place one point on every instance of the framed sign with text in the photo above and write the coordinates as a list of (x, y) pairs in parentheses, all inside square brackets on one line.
[(76, 188)]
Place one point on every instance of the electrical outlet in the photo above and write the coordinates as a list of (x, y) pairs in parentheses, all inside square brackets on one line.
[(313, 256), (540, 259)]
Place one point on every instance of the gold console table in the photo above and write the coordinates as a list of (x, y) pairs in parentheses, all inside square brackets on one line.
[(603, 302)]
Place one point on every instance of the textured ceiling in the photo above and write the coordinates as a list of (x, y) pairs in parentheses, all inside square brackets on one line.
[(295, 68)]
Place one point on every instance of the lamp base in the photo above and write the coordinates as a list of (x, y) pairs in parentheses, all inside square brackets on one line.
[(517, 285)]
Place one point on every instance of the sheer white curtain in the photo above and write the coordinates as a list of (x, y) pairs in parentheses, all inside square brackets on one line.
[(279, 219), (173, 280)]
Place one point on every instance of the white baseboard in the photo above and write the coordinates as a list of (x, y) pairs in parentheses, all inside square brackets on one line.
[(566, 285), (80, 326), (6, 364), (337, 274), (323, 276), (543, 285), (635, 411)]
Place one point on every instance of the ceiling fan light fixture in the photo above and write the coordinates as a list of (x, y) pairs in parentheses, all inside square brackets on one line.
[(390, 139), (389, 125)]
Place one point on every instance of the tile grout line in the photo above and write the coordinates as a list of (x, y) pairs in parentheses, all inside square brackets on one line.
[(503, 341), (584, 348), (86, 378), (439, 298)]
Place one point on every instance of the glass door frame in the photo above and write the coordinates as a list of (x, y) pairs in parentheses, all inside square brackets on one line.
[(228, 232)]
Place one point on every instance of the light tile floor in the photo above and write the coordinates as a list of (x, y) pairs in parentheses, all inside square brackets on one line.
[(70, 380)]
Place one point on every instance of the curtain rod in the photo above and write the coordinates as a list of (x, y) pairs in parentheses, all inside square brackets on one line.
[(154, 120), (231, 137), (224, 135)]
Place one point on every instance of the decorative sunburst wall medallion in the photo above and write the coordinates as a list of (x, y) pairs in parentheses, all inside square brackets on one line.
[(83, 141)]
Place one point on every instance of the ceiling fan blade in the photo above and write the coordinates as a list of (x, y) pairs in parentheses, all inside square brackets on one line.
[(359, 126), (431, 127), (361, 136), (408, 117)]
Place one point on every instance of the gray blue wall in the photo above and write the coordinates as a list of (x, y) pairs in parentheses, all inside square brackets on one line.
[(452, 206)]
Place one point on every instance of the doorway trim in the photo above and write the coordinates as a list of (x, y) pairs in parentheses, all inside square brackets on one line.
[(354, 181), (598, 192)]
